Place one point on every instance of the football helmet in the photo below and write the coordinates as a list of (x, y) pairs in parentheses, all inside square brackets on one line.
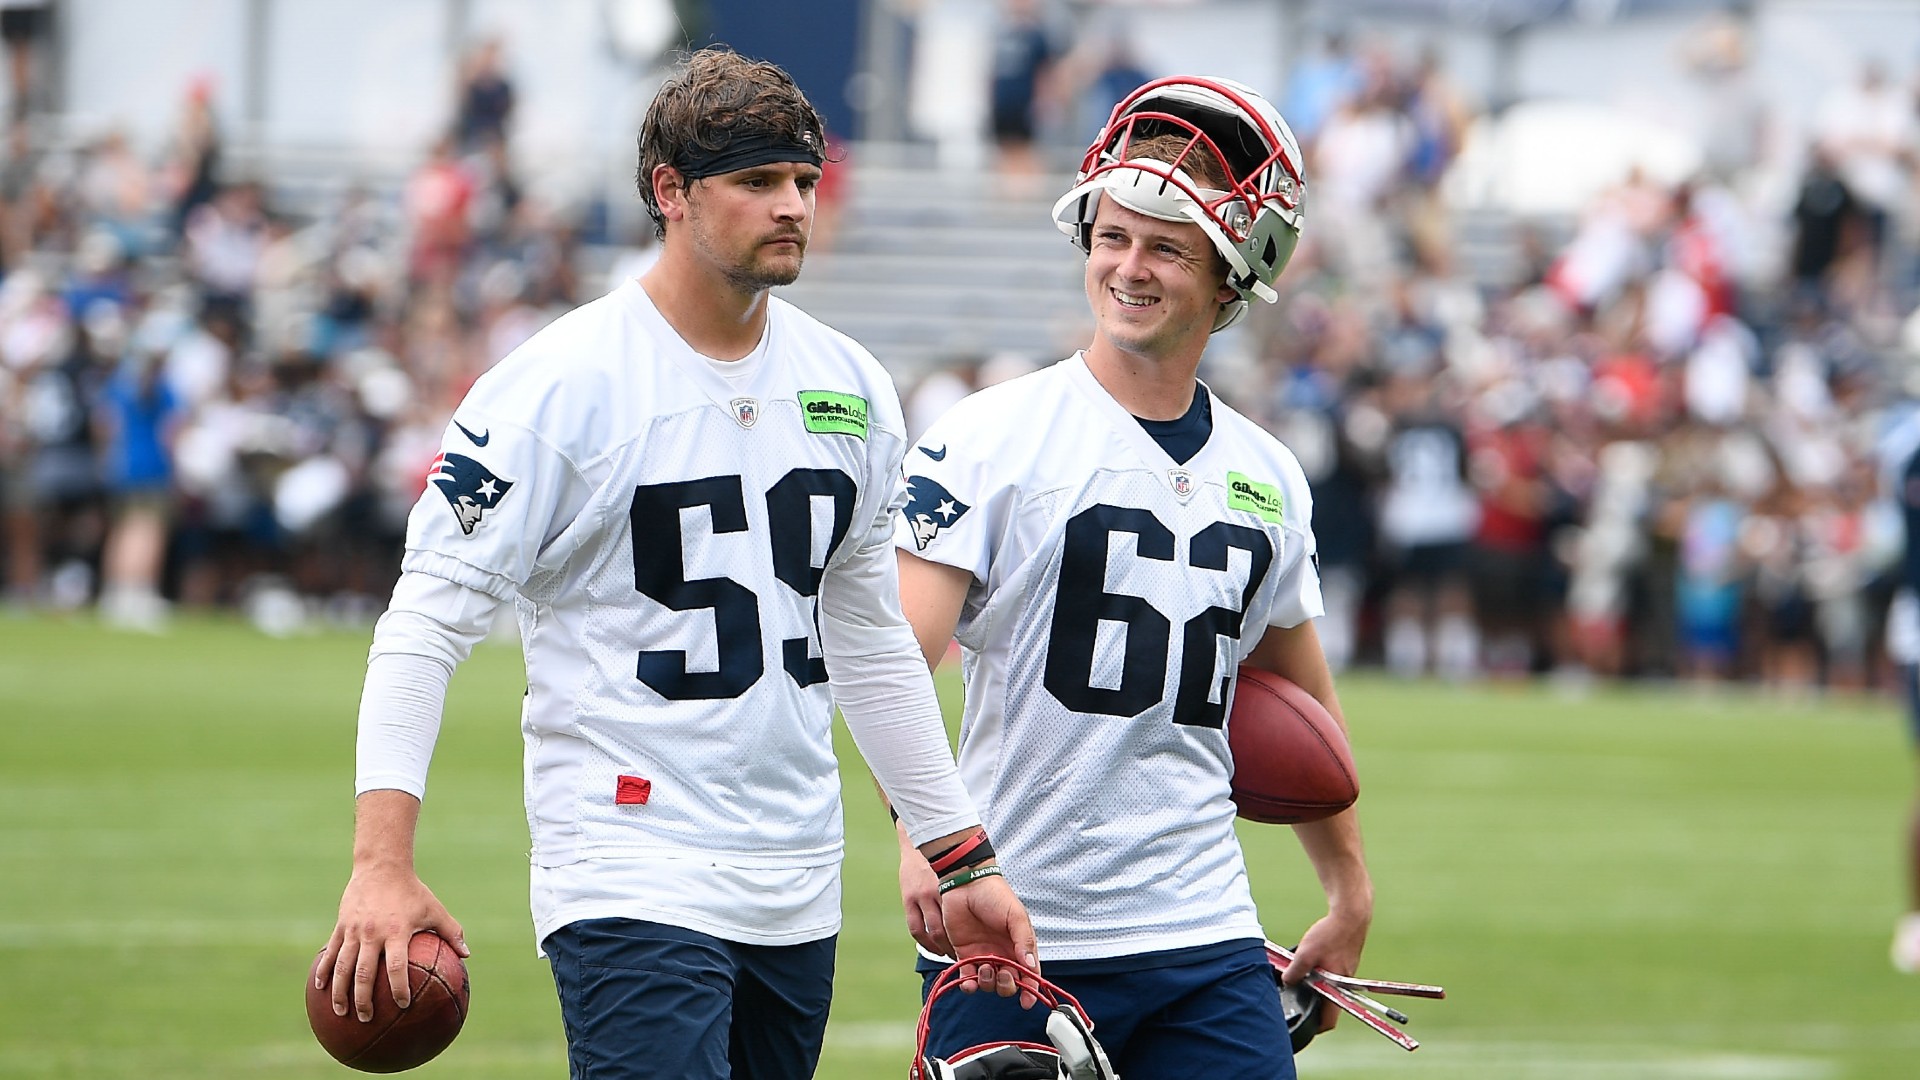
[(1073, 1055), (1254, 223), (1301, 1006)]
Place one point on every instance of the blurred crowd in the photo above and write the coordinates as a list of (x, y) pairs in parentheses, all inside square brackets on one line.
[(210, 396), (1655, 445), (1656, 449)]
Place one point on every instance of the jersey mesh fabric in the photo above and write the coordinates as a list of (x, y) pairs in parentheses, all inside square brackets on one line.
[(707, 758), (1094, 747), (666, 602)]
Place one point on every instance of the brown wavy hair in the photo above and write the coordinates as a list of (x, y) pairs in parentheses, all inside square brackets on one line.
[(1201, 165), (716, 97)]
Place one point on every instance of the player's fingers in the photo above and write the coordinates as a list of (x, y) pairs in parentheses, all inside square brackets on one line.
[(989, 977), (969, 977), (1003, 982), (323, 964), (930, 937), (341, 977), (936, 939), (449, 930), (366, 967), (396, 957), (1026, 946)]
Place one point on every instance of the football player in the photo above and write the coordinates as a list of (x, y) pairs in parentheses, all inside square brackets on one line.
[(687, 487), (1108, 540)]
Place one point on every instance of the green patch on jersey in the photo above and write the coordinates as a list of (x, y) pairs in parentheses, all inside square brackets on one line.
[(1254, 496), (830, 413)]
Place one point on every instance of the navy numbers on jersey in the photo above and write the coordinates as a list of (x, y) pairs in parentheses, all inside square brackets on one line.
[(1084, 602), (1212, 549), (790, 509), (659, 571)]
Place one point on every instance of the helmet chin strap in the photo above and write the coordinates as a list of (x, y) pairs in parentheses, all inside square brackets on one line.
[(1230, 313)]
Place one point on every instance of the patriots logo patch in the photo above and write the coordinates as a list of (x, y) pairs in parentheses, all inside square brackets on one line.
[(470, 487), (930, 508)]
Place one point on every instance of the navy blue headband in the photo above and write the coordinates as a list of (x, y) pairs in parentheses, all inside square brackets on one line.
[(697, 162)]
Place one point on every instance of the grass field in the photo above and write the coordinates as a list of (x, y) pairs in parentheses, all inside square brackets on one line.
[(1633, 884)]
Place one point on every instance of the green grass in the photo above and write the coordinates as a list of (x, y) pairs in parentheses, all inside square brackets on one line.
[(1635, 884)]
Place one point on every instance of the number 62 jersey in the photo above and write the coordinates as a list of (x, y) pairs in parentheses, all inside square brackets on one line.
[(1114, 593)]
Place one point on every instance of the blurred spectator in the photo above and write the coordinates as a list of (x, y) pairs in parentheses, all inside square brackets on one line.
[(1320, 84), (936, 392), (25, 26), (1512, 580), (1826, 219), (63, 369), (193, 160), (1099, 71), (1710, 584), (438, 198), (1023, 61), (138, 418), (1437, 113), (225, 238), (1900, 483), (116, 194), (1428, 516), (1733, 123), (1867, 129), (485, 100)]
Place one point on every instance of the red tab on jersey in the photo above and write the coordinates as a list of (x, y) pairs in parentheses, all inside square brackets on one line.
[(632, 791)]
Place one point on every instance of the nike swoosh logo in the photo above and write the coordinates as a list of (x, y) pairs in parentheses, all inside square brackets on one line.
[(478, 440), (937, 455)]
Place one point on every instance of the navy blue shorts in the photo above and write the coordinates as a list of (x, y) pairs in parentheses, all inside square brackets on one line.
[(1212, 1010), (647, 1001)]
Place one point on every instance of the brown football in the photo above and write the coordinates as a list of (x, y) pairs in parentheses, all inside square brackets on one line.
[(397, 1039), (1291, 762)]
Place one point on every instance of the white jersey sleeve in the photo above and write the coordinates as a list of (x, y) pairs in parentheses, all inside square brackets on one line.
[(886, 693), (430, 627), (504, 487), (879, 679), (1297, 592), (951, 496)]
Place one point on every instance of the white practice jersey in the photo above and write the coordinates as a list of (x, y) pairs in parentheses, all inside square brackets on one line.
[(664, 528), (1115, 592)]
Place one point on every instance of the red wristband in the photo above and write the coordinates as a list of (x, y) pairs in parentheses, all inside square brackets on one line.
[(956, 856)]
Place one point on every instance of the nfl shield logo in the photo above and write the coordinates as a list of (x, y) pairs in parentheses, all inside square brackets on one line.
[(745, 410), (1182, 482)]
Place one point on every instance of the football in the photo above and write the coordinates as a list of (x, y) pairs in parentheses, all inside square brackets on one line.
[(1291, 762), (397, 1039)]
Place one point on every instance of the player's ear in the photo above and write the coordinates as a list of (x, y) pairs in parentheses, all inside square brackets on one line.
[(1225, 294), (670, 192)]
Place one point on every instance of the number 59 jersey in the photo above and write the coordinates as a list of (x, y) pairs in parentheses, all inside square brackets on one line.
[(1115, 591), (665, 523)]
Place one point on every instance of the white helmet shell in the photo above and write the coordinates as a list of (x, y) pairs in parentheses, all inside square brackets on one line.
[(1254, 223)]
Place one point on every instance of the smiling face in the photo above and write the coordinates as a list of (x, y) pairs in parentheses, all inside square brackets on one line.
[(1154, 286), (752, 225)]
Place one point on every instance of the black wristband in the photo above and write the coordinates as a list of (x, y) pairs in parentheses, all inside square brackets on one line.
[(978, 851)]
